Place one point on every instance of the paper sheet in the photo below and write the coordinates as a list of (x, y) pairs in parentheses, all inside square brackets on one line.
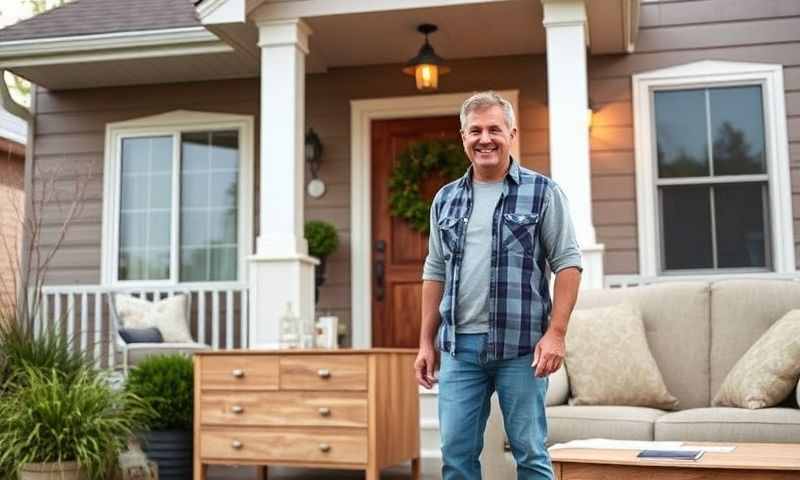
[(605, 443)]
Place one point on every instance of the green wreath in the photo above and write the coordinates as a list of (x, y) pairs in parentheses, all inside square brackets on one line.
[(411, 167)]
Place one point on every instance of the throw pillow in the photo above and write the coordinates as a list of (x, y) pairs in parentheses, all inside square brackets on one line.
[(608, 360), (141, 335), (167, 315), (768, 371)]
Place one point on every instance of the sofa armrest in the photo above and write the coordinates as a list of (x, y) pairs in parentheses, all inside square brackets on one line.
[(558, 388)]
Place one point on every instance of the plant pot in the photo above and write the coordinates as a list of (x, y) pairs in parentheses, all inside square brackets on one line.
[(171, 450), (51, 471)]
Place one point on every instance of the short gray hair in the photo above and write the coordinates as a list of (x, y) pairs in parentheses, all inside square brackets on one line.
[(482, 100)]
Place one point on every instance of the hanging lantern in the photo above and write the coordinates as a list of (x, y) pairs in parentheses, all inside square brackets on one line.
[(426, 66)]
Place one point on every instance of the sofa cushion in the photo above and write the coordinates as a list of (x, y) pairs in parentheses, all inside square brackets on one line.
[(608, 360), (557, 387), (139, 351), (723, 424), (567, 423), (676, 323), (768, 372), (141, 335), (741, 311), (169, 315)]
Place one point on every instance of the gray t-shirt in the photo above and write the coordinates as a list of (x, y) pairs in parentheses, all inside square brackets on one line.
[(473, 289)]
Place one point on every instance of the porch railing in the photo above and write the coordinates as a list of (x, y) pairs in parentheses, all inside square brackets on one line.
[(218, 315), (628, 281)]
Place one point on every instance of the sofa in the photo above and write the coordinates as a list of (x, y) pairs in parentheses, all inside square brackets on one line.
[(696, 332)]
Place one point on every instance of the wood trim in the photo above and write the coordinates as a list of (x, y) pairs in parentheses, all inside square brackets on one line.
[(198, 467), (362, 112)]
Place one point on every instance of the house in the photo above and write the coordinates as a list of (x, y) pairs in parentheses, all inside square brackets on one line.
[(13, 137), (193, 116)]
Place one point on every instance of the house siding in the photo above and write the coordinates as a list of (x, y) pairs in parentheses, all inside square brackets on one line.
[(12, 176), (674, 33)]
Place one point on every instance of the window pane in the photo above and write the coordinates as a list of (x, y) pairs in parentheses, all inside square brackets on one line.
[(686, 223), (145, 228), (741, 237), (209, 206), (737, 124), (681, 133)]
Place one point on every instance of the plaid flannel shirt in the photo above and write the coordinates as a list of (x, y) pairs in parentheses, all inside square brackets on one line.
[(532, 235)]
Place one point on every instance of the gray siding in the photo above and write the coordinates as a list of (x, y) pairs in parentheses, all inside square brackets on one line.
[(674, 33)]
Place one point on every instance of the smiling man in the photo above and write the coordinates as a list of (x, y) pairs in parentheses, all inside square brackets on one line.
[(496, 234)]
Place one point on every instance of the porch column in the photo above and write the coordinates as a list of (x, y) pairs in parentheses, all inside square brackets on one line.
[(281, 270), (567, 87)]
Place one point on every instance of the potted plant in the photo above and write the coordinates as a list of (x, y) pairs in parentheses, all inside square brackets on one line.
[(322, 241), (166, 384), (56, 428)]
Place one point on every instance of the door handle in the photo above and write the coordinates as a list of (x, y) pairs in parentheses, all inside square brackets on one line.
[(380, 270)]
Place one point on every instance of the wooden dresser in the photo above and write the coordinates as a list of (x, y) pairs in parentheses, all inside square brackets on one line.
[(340, 409)]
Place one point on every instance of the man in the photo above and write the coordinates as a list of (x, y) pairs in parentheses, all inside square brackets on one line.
[(496, 233)]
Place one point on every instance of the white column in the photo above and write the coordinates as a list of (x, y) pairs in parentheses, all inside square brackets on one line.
[(281, 270), (567, 87)]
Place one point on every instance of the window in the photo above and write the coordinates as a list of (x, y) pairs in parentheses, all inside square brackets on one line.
[(177, 198), (712, 170)]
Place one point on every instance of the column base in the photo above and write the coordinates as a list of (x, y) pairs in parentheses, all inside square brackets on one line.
[(592, 266), (276, 280)]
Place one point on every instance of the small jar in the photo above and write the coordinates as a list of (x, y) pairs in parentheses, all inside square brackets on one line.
[(290, 328)]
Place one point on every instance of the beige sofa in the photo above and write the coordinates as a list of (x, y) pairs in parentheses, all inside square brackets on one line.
[(696, 332)]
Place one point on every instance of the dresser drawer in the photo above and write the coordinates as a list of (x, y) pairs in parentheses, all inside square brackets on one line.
[(239, 372), (310, 445), (314, 409), (323, 372)]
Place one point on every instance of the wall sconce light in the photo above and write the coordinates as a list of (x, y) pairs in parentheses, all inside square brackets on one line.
[(426, 66), (313, 150)]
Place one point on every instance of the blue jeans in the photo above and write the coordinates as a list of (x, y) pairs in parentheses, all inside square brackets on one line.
[(466, 384)]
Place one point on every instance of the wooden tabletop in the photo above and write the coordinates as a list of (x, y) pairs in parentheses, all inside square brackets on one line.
[(307, 351), (755, 456)]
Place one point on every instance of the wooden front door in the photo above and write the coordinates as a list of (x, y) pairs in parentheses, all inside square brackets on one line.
[(398, 251)]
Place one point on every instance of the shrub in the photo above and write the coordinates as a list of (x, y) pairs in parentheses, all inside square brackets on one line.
[(21, 350), (165, 383), (322, 238), (48, 419)]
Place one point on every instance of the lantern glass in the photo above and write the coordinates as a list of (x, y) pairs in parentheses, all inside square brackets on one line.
[(427, 76)]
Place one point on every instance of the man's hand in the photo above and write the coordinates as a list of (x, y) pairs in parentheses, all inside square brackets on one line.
[(425, 365), (549, 353)]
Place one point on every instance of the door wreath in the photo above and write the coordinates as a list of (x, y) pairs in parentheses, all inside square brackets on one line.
[(412, 166)]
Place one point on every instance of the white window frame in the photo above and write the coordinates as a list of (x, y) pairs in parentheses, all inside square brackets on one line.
[(710, 74), (173, 124)]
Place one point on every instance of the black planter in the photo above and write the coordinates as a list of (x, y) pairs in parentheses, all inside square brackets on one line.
[(171, 450), (319, 277)]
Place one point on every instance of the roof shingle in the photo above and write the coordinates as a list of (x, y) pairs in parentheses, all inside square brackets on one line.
[(87, 17)]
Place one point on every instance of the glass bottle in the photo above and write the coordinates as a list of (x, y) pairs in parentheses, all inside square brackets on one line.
[(290, 334)]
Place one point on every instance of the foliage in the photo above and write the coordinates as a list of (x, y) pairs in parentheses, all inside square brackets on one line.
[(419, 161), (48, 419), (21, 351), (166, 383), (322, 238)]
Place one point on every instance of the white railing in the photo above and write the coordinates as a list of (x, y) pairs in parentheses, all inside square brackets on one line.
[(628, 281), (218, 315)]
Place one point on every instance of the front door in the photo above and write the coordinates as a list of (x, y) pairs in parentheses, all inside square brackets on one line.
[(398, 251)]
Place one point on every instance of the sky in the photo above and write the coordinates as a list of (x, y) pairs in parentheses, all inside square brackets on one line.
[(11, 11)]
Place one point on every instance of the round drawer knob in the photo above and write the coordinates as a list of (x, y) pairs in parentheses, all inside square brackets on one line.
[(238, 373), (324, 447), (237, 409), (236, 444), (324, 373), (325, 411)]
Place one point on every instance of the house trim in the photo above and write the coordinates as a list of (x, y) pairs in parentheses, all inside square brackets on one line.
[(173, 123), (362, 113), (713, 74), (110, 46)]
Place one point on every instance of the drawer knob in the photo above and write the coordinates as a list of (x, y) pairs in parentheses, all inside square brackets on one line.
[(236, 444), (237, 409), (324, 373), (325, 411), (238, 373), (324, 447)]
